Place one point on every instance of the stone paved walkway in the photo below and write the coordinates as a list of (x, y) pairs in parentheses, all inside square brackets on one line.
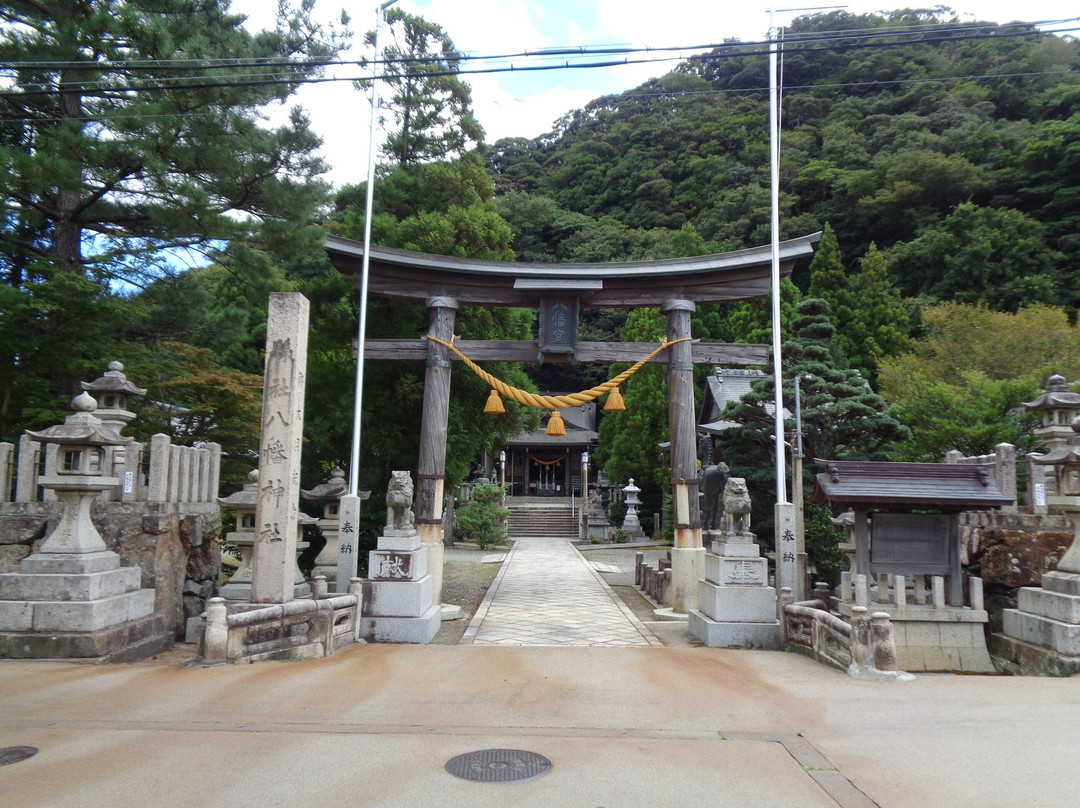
[(547, 594)]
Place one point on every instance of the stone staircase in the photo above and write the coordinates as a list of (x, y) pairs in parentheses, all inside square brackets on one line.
[(545, 518)]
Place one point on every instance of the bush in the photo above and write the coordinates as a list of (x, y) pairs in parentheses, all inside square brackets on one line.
[(483, 518)]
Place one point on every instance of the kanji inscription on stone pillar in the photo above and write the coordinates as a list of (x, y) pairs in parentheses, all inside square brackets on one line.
[(277, 509)]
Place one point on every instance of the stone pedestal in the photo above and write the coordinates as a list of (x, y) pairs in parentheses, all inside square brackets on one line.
[(397, 602), (79, 606), (736, 606)]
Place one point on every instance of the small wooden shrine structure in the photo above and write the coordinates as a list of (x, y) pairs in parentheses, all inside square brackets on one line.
[(905, 522), (907, 514), (559, 292)]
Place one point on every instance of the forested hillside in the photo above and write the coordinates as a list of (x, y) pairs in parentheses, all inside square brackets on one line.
[(955, 149)]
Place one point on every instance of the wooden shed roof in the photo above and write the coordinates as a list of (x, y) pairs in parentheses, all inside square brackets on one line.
[(405, 275), (942, 486)]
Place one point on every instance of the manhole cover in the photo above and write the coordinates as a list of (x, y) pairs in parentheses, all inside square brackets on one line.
[(499, 766), (13, 754)]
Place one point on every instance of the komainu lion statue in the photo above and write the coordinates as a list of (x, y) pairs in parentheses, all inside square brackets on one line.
[(736, 506), (399, 498)]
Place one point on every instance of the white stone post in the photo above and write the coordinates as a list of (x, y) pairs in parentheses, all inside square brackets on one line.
[(787, 544), (277, 509)]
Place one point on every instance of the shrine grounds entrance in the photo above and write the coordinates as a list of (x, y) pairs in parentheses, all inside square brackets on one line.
[(559, 292)]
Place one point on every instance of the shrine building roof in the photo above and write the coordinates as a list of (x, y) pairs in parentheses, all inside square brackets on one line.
[(405, 275), (940, 486)]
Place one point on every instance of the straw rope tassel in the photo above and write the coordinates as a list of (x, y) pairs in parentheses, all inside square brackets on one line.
[(556, 427), (499, 387)]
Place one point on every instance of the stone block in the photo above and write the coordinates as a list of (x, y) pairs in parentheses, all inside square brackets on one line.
[(402, 629), (74, 587), (737, 604), (128, 642), (1055, 605), (727, 571), (11, 555), (736, 549), (1067, 583), (73, 616), (398, 565), (1045, 632), (69, 563), (716, 634), (399, 540), (16, 615), (398, 598), (960, 635)]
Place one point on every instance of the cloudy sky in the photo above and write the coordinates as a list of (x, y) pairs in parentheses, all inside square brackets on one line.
[(527, 103)]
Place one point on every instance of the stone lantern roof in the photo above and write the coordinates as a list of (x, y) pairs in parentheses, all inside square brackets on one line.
[(113, 390), (82, 428), (1057, 396), (334, 488), (247, 497), (114, 381)]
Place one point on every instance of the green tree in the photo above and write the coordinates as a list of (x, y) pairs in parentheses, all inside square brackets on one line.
[(879, 326), (132, 133), (193, 400), (961, 385), (430, 105), (829, 281), (630, 440), (842, 418), (982, 255)]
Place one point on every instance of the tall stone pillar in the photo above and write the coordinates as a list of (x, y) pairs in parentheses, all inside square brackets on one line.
[(688, 554), (431, 469), (277, 507)]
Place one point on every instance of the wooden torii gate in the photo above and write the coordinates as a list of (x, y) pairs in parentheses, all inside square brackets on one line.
[(559, 291)]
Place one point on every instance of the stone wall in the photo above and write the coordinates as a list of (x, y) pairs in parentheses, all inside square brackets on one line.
[(175, 545), (1009, 551)]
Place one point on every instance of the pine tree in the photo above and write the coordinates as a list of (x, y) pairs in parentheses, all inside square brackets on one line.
[(431, 106), (829, 281), (880, 328)]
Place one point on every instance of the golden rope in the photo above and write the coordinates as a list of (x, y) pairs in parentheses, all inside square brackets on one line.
[(552, 402)]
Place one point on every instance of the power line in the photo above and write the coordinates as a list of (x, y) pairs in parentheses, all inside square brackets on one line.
[(939, 30), (626, 95)]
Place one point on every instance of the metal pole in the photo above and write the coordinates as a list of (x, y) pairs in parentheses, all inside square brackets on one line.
[(774, 153), (354, 464)]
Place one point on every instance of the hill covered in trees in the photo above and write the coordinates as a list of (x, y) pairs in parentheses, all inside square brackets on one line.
[(953, 146)]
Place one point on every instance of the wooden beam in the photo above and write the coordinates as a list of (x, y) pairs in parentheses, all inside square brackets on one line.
[(702, 353)]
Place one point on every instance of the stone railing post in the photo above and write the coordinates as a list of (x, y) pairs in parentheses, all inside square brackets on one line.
[(215, 641), (860, 640), (883, 643), (7, 454)]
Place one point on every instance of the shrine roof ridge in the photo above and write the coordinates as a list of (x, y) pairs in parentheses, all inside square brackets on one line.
[(876, 483)]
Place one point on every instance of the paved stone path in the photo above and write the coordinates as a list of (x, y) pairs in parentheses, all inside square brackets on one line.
[(547, 594)]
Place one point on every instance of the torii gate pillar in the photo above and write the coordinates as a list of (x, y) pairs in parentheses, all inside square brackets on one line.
[(688, 554), (431, 467)]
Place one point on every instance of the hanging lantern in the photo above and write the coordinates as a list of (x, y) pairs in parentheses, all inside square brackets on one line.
[(555, 426)]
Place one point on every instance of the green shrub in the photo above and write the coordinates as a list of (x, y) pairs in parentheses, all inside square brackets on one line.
[(483, 518)]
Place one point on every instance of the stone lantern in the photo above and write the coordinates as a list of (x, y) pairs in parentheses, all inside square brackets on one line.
[(238, 589), (72, 597), (78, 477), (1058, 407), (1065, 462), (330, 494), (1043, 631), (630, 522), (113, 391), (243, 538)]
